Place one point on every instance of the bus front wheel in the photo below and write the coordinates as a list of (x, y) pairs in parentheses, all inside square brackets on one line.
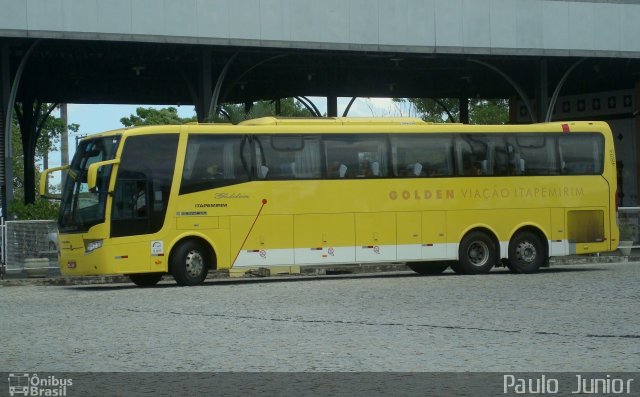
[(428, 268), (526, 253), (189, 263), (477, 253), (145, 279)]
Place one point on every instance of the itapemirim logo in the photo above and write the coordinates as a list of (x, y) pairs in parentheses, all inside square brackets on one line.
[(34, 385)]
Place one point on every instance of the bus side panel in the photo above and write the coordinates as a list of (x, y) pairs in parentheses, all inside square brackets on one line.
[(375, 237), (409, 236), (434, 238), (132, 256), (559, 244), (324, 238), (267, 243)]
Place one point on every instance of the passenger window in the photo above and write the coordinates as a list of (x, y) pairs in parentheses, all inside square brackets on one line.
[(472, 155), (534, 154), (581, 154), (214, 161), (422, 155), (356, 156), (288, 157)]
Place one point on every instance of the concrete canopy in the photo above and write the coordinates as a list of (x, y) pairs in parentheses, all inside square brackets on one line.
[(66, 71)]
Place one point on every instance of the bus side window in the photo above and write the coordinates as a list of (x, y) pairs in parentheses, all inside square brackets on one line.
[(356, 156), (475, 153), (214, 161), (580, 154), (288, 157), (465, 160), (536, 154), (417, 156)]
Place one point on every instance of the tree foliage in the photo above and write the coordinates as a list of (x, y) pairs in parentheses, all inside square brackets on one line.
[(39, 209), (50, 131), (151, 116), (233, 113), (289, 107), (443, 110)]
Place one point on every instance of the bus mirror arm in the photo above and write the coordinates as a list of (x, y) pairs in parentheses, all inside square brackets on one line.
[(44, 193), (92, 173)]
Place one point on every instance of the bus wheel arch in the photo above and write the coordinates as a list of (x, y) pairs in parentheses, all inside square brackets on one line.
[(190, 260), (478, 251), (528, 250)]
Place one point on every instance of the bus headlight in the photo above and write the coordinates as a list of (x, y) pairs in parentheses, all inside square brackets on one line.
[(91, 246)]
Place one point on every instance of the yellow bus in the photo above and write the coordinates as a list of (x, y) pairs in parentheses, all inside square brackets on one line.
[(270, 192)]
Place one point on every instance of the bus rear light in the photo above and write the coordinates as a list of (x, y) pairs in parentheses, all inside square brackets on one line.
[(565, 128)]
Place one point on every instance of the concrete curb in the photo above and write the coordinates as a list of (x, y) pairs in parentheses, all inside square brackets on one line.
[(306, 272)]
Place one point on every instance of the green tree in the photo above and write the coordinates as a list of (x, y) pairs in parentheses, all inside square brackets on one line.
[(47, 129), (233, 113), (289, 107), (151, 116), (39, 209), (489, 111), (442, 110)]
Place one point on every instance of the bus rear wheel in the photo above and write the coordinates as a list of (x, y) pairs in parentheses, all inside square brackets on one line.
[(428, 268), (526, 253), (477, 253), (146, 279), (189, 263)]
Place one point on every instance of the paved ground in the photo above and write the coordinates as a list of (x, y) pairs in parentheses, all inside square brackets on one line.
[(567, 318)]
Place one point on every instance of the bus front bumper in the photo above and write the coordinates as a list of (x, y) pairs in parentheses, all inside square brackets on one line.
[(75, 261)]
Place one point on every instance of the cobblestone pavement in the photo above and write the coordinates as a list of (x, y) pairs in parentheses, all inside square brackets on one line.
[(571, 318)]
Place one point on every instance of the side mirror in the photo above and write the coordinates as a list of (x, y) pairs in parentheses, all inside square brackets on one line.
[(43, 182), (92, 172)]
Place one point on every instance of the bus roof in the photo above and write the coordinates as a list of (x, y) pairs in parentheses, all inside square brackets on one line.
[(334, 120), (377, 124)]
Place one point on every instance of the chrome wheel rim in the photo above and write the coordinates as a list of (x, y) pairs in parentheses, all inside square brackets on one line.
[(478, 253), (194, 264)]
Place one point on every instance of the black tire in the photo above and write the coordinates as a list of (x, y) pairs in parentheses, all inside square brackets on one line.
[(478, 253), (146, 279), (526, 253), (428, 268), (190, 263)]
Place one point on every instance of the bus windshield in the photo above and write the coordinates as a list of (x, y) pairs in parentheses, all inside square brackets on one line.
[(81, 208)]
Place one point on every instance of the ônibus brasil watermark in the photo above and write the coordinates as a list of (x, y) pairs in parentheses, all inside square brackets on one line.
[(24, 384)]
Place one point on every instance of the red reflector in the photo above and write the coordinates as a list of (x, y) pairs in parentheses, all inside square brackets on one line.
[(565, 128)]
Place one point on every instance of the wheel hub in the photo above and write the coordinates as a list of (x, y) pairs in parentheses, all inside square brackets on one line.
[(478, 253), (526, 252), (195, 264)]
